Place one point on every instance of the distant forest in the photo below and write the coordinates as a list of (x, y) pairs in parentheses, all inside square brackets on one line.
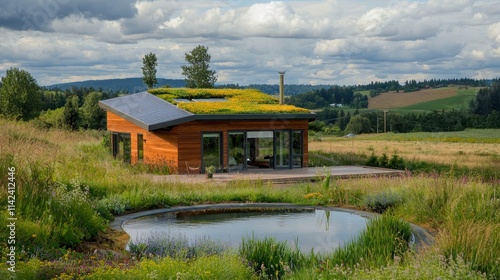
[(133, 85), (126, 85)]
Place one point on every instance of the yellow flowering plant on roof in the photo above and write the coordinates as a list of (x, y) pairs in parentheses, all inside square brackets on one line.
[(239, 101)]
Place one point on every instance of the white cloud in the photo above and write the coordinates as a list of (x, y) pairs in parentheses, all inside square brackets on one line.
[(494, 32), (330, 41)]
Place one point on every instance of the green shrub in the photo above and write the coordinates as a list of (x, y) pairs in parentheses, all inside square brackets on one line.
[(372, 160), (396, 162), (383, 161), (382, 201)]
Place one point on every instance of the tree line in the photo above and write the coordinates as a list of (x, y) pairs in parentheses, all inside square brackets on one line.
[(21, 98), (321, 98), (483, 112)]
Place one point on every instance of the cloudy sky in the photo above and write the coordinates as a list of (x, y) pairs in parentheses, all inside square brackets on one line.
[(316, 42)]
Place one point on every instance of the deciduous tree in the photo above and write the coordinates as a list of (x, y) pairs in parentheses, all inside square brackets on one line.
[(20, 95), (93, 117)]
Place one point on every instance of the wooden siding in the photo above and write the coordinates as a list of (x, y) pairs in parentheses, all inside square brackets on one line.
[(159, 147), (181, 145)]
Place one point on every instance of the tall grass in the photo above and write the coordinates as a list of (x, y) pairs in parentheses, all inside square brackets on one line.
[(227, 266), (176, 246), (270, 258), (69, 185), (385, 238), (51, 214)]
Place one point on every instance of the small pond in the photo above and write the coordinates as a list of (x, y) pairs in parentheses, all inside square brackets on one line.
[(317, 229)]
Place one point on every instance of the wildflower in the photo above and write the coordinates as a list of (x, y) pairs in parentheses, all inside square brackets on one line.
[(33, 236)]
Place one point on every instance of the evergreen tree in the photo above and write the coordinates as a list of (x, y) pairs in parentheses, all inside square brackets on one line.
[(198, 73), (149, 70), (71, 114), (487, 100)]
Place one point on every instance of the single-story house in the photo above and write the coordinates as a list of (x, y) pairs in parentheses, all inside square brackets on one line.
[(190, 129)]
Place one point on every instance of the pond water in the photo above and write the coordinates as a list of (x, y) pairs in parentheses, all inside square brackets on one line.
[(320, 230)]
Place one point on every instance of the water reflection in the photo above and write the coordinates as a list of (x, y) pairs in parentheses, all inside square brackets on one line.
[(319, 230)]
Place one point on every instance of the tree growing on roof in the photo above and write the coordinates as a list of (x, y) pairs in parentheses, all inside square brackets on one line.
[(149, 70), (198, 73)]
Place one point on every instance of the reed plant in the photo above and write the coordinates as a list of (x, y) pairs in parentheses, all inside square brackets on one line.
[(384, 238), (269, 258)]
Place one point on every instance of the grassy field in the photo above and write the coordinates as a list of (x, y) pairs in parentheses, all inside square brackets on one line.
[(426, 100), (460, 101), (68, 188), (470, 148)]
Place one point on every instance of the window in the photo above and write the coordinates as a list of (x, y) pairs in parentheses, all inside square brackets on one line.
[(121, 146), (236, 151), (140, 147), (297, 148), (282, 149), (212, 150)]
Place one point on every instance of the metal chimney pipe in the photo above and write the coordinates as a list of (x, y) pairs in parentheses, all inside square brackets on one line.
[(282, 87)]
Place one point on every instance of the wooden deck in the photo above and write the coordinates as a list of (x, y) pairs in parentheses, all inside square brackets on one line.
[(286, 176)]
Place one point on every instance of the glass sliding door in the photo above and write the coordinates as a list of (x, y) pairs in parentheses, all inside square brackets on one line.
[(212, 150), (236, 151), (259, 149), (282, 149), (297, 148)]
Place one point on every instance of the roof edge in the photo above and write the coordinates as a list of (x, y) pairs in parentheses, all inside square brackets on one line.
[(124, 116)]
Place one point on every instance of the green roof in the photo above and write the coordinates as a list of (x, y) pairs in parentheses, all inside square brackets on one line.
[(238, 101)]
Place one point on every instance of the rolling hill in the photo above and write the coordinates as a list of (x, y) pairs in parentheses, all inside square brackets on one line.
[(130, 85), (425, 100)]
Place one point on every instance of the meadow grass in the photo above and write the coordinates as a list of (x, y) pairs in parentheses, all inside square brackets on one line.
[(69, 186), (176, 246), (471, 148)]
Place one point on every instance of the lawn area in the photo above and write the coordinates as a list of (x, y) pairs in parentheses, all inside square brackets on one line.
[(68, 187)]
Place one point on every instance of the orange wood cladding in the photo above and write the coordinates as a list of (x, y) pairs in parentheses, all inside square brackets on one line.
[(181, 145)]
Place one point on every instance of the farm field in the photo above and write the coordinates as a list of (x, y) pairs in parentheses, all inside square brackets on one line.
[(61, 174), (471, 148), (427, 99)]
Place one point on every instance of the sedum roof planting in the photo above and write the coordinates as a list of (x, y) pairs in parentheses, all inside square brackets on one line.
[(239, 101)]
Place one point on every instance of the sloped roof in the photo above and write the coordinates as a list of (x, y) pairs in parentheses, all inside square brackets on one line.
[(152, 113), (146, 110)]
